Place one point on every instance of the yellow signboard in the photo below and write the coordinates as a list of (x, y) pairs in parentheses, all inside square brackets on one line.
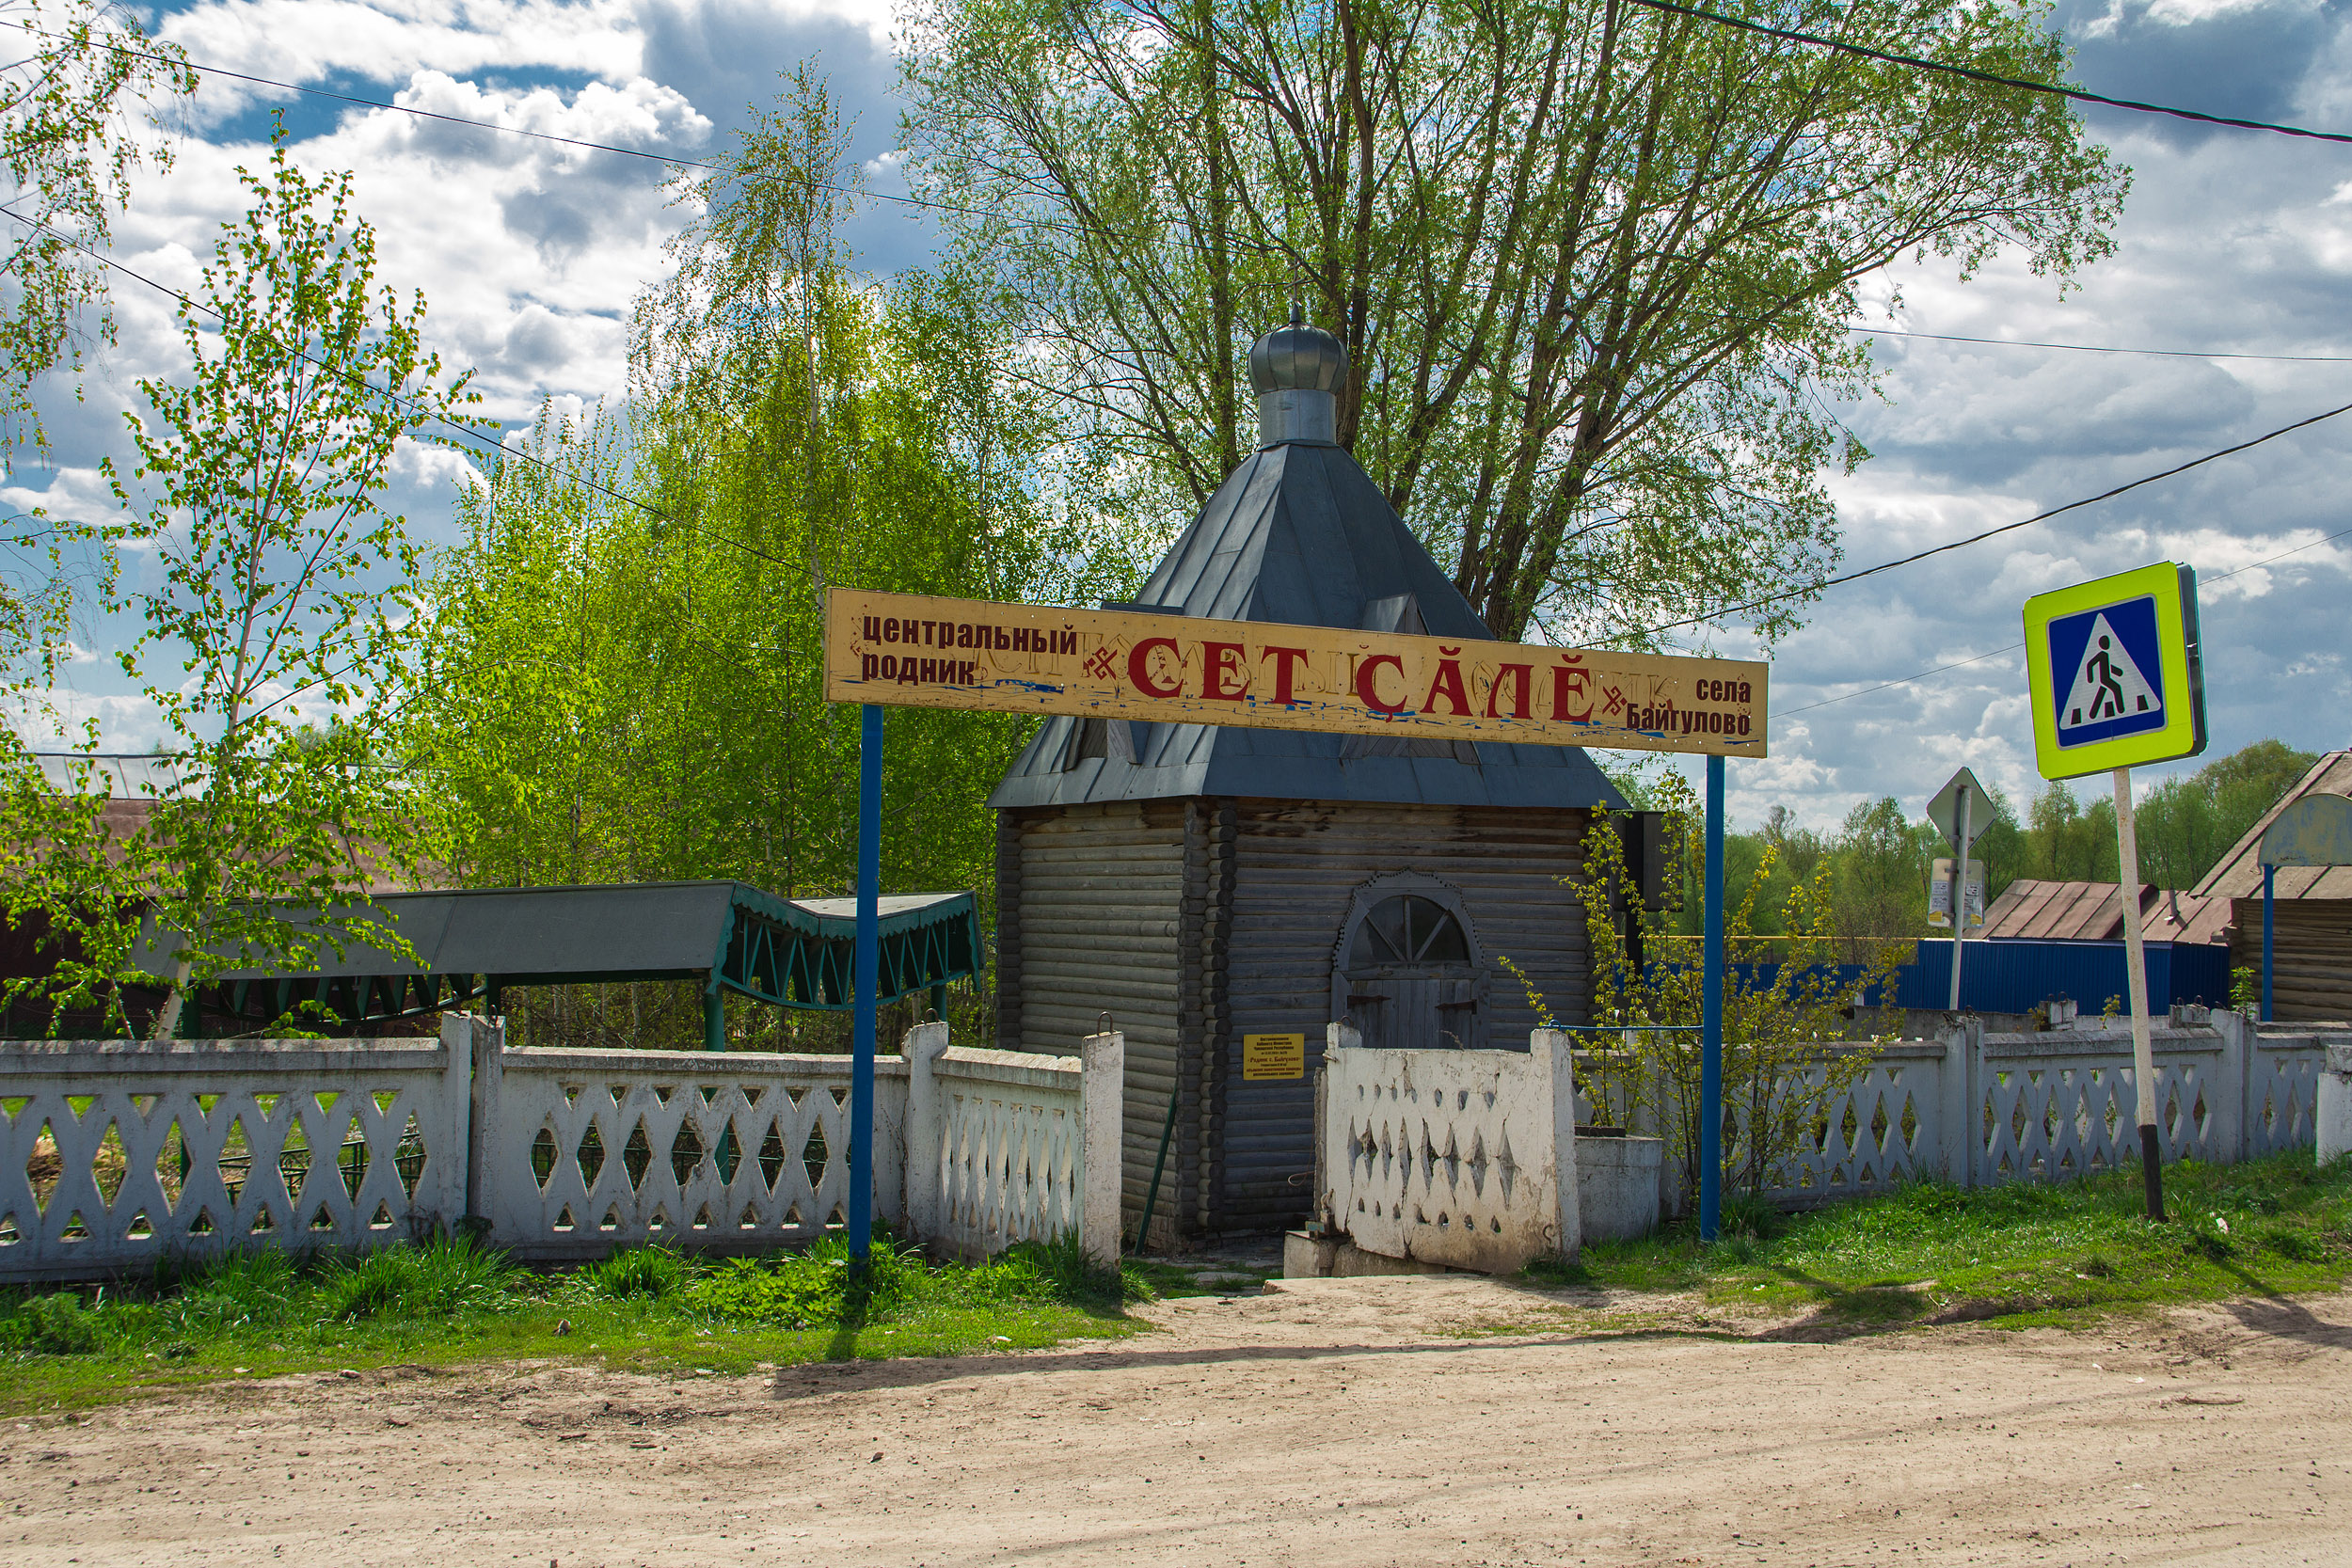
[(920, 652), (1273, 1056)]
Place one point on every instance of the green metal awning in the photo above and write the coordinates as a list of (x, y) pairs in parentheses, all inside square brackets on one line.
[(470, 943)]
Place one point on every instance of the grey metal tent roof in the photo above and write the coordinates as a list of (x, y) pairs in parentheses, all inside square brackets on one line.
[(1299, 534), (791, 952)]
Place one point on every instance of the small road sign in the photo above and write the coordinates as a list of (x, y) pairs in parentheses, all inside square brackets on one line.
[(1940, 896), (2114, 670), (1944, 810)]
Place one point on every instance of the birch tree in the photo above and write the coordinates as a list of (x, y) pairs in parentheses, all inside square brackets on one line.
[(276, 598)]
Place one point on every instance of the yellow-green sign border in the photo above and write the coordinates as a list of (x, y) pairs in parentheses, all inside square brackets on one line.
[(2174, 589)]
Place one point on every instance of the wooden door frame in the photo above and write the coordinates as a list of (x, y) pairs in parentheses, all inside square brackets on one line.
[(1389, 884)]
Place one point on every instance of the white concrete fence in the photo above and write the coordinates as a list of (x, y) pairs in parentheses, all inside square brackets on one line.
[(116, 1153), (1979, 1109), (1457, 1156)]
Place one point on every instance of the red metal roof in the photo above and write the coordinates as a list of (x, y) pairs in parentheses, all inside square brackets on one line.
[(2087, 911)]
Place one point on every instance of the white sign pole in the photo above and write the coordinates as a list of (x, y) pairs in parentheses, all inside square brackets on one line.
[(2136, 964), (1960, 896)]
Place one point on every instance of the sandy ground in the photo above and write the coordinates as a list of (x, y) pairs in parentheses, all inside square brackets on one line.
[(1426, 1421)]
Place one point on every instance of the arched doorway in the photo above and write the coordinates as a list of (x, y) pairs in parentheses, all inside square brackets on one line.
[(1407, 971)]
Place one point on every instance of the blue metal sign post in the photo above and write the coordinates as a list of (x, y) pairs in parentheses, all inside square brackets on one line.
[(1711, 1017), (2270, 889), (870, 766)]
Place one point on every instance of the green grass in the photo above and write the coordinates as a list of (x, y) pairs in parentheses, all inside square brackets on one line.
[(269, 1313), (2015, 1255)]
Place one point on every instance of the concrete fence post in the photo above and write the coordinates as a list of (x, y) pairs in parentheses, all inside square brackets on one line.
[(452, 1186), (484, 1046), (926, 1123), (1102, 1080), (1555, 1060), (2335, 1103), (2237, 1075), (1951, 1107)]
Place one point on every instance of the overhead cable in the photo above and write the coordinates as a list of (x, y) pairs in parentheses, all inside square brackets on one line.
[(1990, 77), (2014, 647), (466, 431), (2103, 348), (1809, 589)]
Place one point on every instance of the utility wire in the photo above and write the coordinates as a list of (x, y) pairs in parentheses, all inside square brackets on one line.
[(668, 159), (2102, 348), (2014, 647), (467, 432), (1989, 533), (473, 435), (680, 162), (1993, 78)]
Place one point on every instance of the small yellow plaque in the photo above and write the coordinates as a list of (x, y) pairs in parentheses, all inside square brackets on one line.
[(1273, 1056)]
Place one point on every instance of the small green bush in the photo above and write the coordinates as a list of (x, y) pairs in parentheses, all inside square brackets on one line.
[(648, 1272), (55, 1324), (2292, 1243), (442, 1279)]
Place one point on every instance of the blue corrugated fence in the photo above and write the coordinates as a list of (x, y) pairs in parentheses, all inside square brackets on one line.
[(2017, 977)]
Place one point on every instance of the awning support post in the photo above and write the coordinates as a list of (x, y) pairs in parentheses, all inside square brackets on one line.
[(714, 1017)]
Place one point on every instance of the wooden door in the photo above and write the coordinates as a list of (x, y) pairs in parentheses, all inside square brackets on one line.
[(1425, 1010)]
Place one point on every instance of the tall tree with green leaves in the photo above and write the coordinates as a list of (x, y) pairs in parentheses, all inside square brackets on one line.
[(278, 607), (628, 640), (1593, 264)]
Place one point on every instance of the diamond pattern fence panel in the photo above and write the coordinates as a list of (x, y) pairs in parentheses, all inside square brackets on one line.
[(1453, 1157), (2053, 1107), (581, 1151), (2282, 1091), (1009, 1158), (115, 1153), (1882, 1128)]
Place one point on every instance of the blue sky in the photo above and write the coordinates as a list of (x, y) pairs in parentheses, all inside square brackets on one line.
[(2231, 241)]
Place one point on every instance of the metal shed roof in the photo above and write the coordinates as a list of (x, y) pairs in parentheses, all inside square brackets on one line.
[(2029, 909), (1299, 534), (790, 952)]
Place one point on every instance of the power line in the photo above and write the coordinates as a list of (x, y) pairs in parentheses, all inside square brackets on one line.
[(681, 162), (1993, 78), (666, 159), (2014, 647), (2102, 348), (466, 431), (1989, 533)]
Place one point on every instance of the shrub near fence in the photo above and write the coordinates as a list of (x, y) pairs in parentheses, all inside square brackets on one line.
[(116, 1153)]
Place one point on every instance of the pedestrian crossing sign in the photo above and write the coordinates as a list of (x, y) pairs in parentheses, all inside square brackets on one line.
[(2117, 681)]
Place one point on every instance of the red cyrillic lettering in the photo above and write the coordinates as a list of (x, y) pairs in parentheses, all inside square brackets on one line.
[(1525, 673), (1220, 662), (1286, 663), (1139, 667), (1569, 681), (1448, 680), (1366, 684)]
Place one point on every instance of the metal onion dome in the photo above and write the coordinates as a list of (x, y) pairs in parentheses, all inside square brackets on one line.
[(1297, 357)]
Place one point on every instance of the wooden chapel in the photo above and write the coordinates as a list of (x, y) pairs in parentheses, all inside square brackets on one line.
[(1205, 884)]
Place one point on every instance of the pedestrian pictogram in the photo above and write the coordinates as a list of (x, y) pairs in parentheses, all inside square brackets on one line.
[(2111, 693), (2114, 673)]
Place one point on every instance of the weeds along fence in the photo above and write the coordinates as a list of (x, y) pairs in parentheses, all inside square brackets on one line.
[(116, 1153), (1979, 1109)]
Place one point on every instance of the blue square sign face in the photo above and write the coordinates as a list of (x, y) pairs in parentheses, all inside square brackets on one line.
[(2106, 669)]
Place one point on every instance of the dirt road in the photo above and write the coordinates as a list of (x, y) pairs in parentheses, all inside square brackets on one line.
[(1422, 1421)]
